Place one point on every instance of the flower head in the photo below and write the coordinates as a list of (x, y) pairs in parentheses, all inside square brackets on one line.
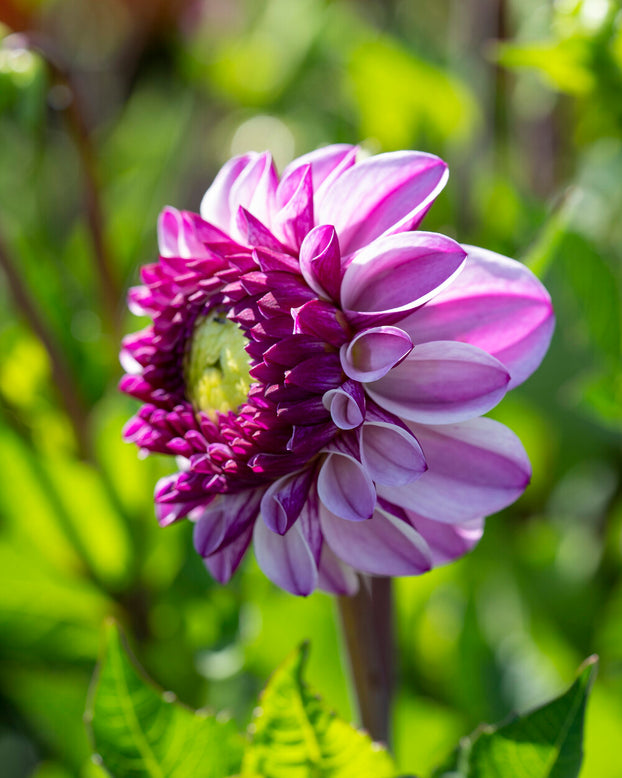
[(321, 367)]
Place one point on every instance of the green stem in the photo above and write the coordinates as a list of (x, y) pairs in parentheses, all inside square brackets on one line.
[(367, 626)]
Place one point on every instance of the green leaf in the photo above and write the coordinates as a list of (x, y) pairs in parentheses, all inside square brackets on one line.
[(545, 743), (295, 735), (139, 732)]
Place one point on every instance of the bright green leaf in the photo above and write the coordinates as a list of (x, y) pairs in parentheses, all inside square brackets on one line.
[(139, 732), (295, 735), (545, 743)]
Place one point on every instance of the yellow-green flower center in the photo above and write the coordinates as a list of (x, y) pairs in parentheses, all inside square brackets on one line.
[(216, 366)]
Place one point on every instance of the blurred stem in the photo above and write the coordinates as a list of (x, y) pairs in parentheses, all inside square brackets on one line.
[(367, 625), (61, 373), (78, 127)]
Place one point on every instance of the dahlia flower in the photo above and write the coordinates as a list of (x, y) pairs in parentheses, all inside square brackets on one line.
[(320, 367)]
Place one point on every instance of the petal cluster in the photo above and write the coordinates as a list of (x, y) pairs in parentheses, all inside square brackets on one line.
[(373, 349)]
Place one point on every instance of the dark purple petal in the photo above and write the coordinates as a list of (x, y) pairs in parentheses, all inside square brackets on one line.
[(398, 273), (373, 352), (320, 319), (223, 563), (320, 261), (286, 560), (475, 468), (224, 520), (284, 499), (317, 374), (495, 303), (383, 545), (442, 383), (380, 195)]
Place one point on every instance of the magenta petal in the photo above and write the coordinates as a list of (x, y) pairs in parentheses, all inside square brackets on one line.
[(346, 405), (326, 163), (335, 576), (223, 563), (475, 468), (442, 383), (345, 488), (286, 559), (373, 352), (383, 545), (383, 194), (320, 261), (321, 319), (294, 197), (216, 205), (283, 500), (495, 303), (391, 454), (398, 273)]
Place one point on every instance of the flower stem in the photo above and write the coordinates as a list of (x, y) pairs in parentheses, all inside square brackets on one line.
[(367, 626)]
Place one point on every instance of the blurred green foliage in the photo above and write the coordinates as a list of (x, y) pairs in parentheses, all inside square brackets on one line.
[(111, 109)]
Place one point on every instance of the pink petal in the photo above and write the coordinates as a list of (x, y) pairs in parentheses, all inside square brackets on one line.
[(373, 352), (286, 559), (398, 273), (496, 304), (177, 236), (320, 261), (383, 545), (345, 488), (294, 198), (284, 499), (475, 468), (326, 163), (216, 206), (391, 454), (442, 383), (335, 577), (346, 405), (381, 195)]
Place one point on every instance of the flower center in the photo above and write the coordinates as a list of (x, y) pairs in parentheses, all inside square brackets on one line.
[(216, 366)]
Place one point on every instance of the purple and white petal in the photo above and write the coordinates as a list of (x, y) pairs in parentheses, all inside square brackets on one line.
[(346, 405), (223, 563), (383, 545), (398, 273), (475, 468), (217, 207), (345, 487), (284, 499), (320, 261), (224, 519), (327, 164), (447, 542), (373, 352), (381, 195), (442, 383), (287, 560), (294, 199), (495, 303), (390, 454), (335, 576)]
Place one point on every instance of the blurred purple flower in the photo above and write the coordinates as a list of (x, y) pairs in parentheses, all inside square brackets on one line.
[(320, 366)]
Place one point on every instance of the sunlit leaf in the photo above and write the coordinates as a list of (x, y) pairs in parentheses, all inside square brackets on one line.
[(564, 64), (545, 743), (295, 735), (140, 732)]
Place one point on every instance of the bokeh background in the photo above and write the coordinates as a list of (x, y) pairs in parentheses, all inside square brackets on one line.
[(110, 109)]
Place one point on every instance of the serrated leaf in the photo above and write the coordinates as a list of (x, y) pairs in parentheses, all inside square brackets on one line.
[(295, 735), (545, 743), (139, 733)]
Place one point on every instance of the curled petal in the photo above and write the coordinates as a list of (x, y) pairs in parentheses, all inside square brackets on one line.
[(287, 560), (284, 499), (383, 545), (346, 405), (475, 468), (495, 303), (398, 273), (335, 576), (345, 488), (320, 261), (373, 352), (442, 383), (381, 195), (223, 563), (391, 454)]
